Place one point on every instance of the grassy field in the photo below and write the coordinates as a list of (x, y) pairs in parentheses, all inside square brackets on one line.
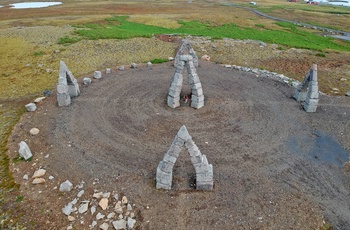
[(33, 42)]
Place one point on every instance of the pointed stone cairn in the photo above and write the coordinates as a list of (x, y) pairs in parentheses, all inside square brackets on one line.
[(204, 170), (186, 57), (67, 86), (307, 91)]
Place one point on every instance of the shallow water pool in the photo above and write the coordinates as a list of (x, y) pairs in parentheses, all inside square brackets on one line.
[(26, 5)]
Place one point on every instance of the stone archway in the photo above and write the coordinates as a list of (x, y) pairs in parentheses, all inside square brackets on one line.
[(307, 90), (67, 86), (204, 170)]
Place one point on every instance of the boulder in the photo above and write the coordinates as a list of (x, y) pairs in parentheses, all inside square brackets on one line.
[(133, 65), (119, 224), (66, 186), (86, 80), (24, 151), (31, 107), (97, 74)]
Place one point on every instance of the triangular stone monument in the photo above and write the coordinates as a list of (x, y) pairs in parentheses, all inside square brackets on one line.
[(307, 90), (190, 61), (204, 170), (67, 86)]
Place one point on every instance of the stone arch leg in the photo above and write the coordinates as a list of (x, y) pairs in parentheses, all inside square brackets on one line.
[(173, 100)]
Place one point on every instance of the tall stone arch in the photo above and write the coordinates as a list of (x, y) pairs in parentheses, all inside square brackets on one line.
[(204, 170), (307, 91), (67, 87), (186, 49)]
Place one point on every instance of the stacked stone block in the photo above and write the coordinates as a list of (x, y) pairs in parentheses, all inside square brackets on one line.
[(197, 97), (186, 49), (307, 91), (67, 87), (204, 170)]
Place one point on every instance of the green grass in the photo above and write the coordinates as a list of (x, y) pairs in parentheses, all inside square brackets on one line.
[(289, 35), (68, 40), (158, 60), (39, 53)]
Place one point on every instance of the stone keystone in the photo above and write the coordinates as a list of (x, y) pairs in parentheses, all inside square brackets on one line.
[(204, 170)]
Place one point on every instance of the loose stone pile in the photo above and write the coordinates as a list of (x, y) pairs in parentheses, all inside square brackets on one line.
[(67, 86), (190, 61), (307, 90), (204, 170)]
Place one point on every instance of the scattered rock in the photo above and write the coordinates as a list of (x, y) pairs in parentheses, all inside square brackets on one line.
[(348, 94), (121, 68), (120, 216), (38, 181), (133, 65), (39, 173), (128, 207), (86, 80), (118, 207), (66, 186), (31, 107), (106, 195), (93, 210), (227, 66), (335, 89), (39, 99), (119, 224), (343, 79), (103, 203), (24, 151), (70, 227), (108, 70), (80, 193), (34, 131), (149, 64), (74, 201), (40, 65), (83, 208), (25, 177), (47, 93), (131, 223), (98, 195), (171, 58), (97, 74), (104, 226), (68, 209), (124, 200), (71, 218), (51, 177), (93, 224), (205, 58), (116, 197), (99, 216), (111, 215)]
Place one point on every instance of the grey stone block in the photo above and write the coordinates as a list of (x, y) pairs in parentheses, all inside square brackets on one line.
[(197, 105), (164, 177), (183, 134), (24, 150), (197, 92), (87, 80), (97, 74), (310, 105), (62, 81), (175, 149), (62, 89), (166, 167), (173, 102), (31, 107), (108, 70), (197, 99), (119, 224), (169, 158), (63, 99), (73, 90), (206, 186)]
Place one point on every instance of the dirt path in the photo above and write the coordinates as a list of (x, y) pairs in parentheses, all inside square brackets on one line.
[(275, 166)]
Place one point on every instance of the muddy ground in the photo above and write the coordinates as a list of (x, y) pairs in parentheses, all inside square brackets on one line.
[(275, 166)]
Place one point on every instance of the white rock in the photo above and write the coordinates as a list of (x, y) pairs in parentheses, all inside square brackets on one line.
[(227, 66), (133, 65), (39, 99), (104, 226), (31, 107), (111, 215), (66, 186), (119, 224), (74, 201), (70, 227), (103, 203), (68, 209), (128, 207), (39, 173), (97, 74), (99, 216), (106, 194), (116, 197), (93, 210), (170, 58), (131, 223), (80, 193), (83, 208), (121, 68), (98, 195), (71, 218), (118, 207), (120, 216), (124, 200), (24, 151), (51, 177), (25, 177), (86, 80), (149, 64), (34, 131), (47, 156), (108, 70), (93, 224), (38, 181)]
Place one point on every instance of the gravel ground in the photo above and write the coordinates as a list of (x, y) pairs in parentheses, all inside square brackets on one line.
[(275, 166)]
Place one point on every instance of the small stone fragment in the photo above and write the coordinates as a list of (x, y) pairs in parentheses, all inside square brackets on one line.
[(111, 215), (108, 70), (30, 107), (34, 131), (124, 200), (93, 210), (25, 177), (86, 80), (97, 74), (24, 150), (116, 197), (205, 58), (74, 201), (39, 173), (80, 193), (68, 209), (83, 208), (131, 223), (106, 194), (47, 93), (119, 224), (66, 186), (103, 203), (348, 94), (104, 226), (71, 218), (129, 207), (118, 207), (133, 65), (120, 216), (98, 195), (70, 227), (38, 181), (51, 177), (149, 64), (121, 68), (99, 216), (170, 58), (39, 99), (93, 224)]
